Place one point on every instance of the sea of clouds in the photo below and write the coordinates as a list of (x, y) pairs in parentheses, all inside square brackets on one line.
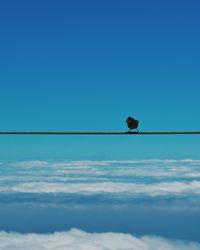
[(115, 182), (76, 239), (131, 179)]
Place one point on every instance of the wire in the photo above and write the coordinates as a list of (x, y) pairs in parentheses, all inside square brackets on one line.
[(98, 133)]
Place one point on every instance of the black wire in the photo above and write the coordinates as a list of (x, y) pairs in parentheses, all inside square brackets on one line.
[(98, 133)]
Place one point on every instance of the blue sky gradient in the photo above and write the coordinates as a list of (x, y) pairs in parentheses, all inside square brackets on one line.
[(87, 65)]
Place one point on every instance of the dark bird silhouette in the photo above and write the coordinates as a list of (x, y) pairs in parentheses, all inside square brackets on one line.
[(132, 123)]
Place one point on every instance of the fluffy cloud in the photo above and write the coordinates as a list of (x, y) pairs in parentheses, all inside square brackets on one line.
[(154, 168), (152, 178), (77, 239), (152, 190)]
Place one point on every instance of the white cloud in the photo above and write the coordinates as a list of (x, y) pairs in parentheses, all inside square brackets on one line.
[(90, 163), (32, 164), (77, 239), (152, 177), (152, 190)]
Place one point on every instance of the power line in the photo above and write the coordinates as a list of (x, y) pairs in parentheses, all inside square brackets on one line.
[(98, 133)]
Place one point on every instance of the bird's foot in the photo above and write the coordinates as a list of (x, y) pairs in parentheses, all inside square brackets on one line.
[(129, 132)]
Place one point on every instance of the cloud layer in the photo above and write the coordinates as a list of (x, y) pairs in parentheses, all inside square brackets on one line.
[(168, 183), (145, 178), (77, 239), (152, 190)]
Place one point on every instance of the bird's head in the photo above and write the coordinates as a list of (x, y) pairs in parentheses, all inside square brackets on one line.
[(129, 119)]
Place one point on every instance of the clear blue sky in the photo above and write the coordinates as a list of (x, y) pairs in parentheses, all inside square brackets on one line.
[(87, 65)]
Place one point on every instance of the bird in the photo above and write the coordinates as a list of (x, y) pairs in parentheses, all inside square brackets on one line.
[(132, 123)]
